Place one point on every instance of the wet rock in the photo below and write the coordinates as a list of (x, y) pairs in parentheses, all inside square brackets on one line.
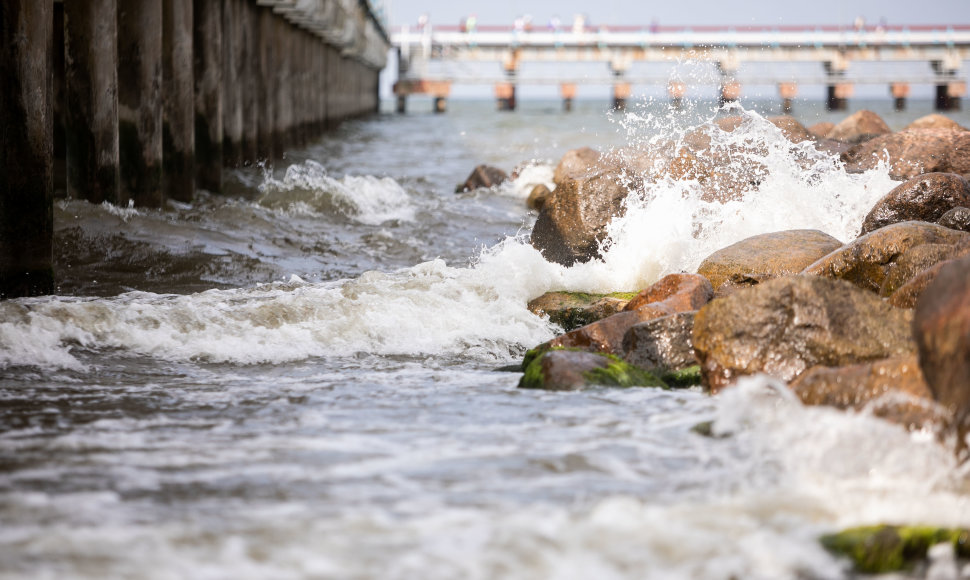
[(820, 130), (942, 330), (569, 370), (866, 261), (935, 121), (913, 152), (571, 310), (957, 218), (918, 259), (925, 198), (537, 197), (663, 344), (791, 128), (574, 217), (883, 549), (672, 294), (766, 256), (784, 326), (893, 389), (858, 127), (577, 163), (483, 176)]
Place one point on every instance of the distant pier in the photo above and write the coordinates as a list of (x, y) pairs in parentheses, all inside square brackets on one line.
[(943, 48), (139, 101)]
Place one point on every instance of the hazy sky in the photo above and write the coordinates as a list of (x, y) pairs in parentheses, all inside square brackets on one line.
[(685, 12)]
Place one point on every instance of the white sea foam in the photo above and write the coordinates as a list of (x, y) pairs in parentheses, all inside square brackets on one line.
[(307, 189), (528, 176)]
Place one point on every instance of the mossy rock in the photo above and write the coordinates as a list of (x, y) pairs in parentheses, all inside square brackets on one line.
[(881, 549), (572, 310), (688, 377), (588, 369)]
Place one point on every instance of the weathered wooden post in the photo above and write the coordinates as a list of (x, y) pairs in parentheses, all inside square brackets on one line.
[(140, 100), (250, 81), (208, 62), (91, 88), (232, 117), (26, 148), (178, 134), (283, 113), (267, 92)]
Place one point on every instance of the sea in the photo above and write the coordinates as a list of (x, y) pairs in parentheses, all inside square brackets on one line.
[(306, 376)]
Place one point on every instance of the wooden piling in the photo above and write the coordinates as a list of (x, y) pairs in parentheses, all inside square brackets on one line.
[(26, 148), (249, 79), (208, 62), (232, 117), (266, 97), (91, 89), (178, 132), (283, 112), (140, 100)]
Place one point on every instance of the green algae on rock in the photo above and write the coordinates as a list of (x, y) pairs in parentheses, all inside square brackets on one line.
[(562, 369), (572, 310), (882, 548)]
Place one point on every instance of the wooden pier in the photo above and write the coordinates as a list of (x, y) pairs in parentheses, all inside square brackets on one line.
[(145, 100)]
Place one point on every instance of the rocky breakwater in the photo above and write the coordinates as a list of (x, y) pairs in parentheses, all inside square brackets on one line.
[(880, 322)]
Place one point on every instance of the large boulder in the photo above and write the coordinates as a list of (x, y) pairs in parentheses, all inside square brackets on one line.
[(925, 198), (672, 294), (663, 344), (577, 163), (942, 330), (791, 128), (821, 129), (766, 256), (892, 388), (935, 121), (867, 261), (913, 152), (918, 259), (568, 370), (859, 127), (788, 325), (957, 218), (483, 176), (571, 310), (573, 220)]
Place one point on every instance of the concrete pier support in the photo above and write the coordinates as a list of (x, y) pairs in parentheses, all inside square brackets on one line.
[(140, 101), (948, 96), (91, 90), (837, 96), (900, 92), (676, 90), (208, 60), (26, 148), (787, 92), (505, 96), (178, 96), (730, 91), (568, 92), (621, 92)]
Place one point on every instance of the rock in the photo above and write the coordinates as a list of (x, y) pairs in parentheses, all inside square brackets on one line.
[(577, 163), (893, 389), (483, 176), (784, 326), (883, 549), (913, 152), (791, 128), (859, 127), (569, 370), (537, 197), (941, 327), (935, 121), (571, 310), (957, 218), (918, 259), (820, 130), (925, 198), (573, 218), (766, 256), (673, 293), (866, 261), (663, 344)]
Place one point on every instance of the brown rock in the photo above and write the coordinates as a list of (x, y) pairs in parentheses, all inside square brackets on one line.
[(935, 121), (893, 389), (787, 325), (820, 130), (571, 310), (791, 128), (766, 256), (941, 327), (563, 370), (913, 152), (918, 259), (866, 261), (662, 344), (574, 217), (859, 127), (577, 163), (957, 218), (907, 295), (537, 197), (483, 176), (674, 293), (925, 198)]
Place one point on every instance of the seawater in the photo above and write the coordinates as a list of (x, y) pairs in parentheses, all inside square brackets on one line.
[(298, 379)]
